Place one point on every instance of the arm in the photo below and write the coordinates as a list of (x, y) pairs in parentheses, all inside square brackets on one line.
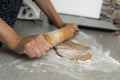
[(8, 36), (33, 45), (47, 7)]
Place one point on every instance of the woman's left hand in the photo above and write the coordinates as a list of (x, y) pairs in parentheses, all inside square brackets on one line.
[(74, 26)]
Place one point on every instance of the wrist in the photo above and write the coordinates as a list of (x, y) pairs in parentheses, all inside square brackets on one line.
[(16, 42), (62, 25)]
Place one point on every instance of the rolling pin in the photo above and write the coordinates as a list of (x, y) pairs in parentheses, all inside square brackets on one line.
[(69, 50), (58, 36)]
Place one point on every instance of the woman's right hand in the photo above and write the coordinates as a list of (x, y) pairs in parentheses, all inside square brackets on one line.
[(33, 46)]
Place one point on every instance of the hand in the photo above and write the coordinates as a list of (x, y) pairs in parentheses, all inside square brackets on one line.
[(74, 26), (33, 46)]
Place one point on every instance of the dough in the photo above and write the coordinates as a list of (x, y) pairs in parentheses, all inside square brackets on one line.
[(74, 51)]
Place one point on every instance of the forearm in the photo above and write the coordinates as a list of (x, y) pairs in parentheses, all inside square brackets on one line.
[(47, 7), (8, 36)]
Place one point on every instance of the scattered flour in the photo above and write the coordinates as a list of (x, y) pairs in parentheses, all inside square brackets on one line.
[(22, 67), (100, 66), (101, 63)]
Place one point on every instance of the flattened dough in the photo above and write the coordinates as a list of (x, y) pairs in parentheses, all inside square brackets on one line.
[(74, 51)]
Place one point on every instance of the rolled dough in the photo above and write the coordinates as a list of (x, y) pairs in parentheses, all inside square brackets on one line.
[(74, 51)]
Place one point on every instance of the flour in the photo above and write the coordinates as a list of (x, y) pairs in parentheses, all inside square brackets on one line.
[(100, 66), (22, 67), (101, 62)]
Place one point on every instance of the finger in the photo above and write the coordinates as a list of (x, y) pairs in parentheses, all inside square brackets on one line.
[(46, 47), (49, 45), (76, 34), (39, 40), (75, 27), (44, 43), (37, 49), (40, 46), (37, 52), (29, 52)]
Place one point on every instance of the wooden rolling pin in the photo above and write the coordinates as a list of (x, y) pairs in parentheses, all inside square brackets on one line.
[(68, 50), (58, 36)]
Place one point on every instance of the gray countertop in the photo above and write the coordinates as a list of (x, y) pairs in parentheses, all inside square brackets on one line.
[(104, 64)]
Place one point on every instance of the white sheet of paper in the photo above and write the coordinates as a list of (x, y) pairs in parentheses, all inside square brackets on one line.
[(87, 8)]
